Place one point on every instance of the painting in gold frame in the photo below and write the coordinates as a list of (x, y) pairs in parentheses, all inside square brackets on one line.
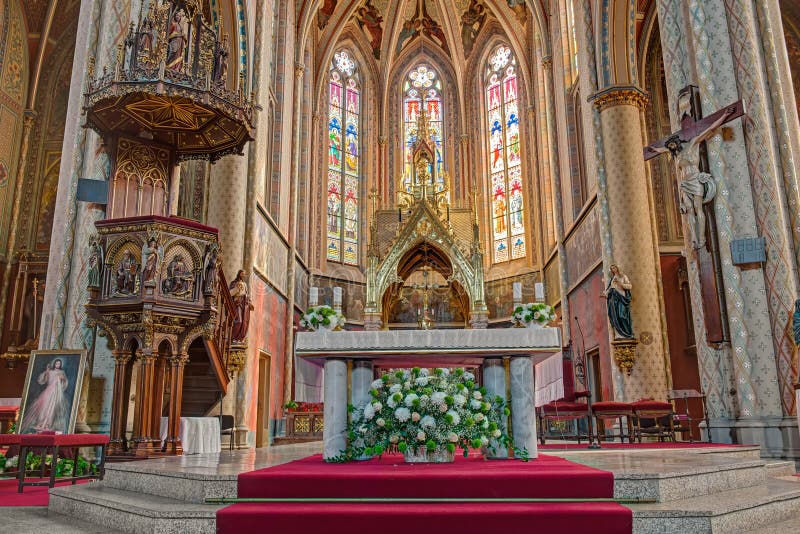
[(52, 391)]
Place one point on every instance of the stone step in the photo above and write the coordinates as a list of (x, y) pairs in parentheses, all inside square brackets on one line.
[(181, 486), (780, 468), (782, 527), (127, 511), (730, 511)]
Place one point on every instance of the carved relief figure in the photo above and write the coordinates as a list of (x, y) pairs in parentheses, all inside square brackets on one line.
[(146, 37), (177, 40), (618, 295), (178, 282), (370, 20), (95, 263), (221, 62), (210, 268), (242, 307), (471, 23), (152, 253), (127, 276)]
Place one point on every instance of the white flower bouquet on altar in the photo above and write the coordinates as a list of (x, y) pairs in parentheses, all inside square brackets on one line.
[(426, 414), (534, 314), (322, 317)]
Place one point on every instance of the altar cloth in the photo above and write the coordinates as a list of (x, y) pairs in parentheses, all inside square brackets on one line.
[(198, 435)]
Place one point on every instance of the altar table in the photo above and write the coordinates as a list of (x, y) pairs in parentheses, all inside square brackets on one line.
[(198, 435), (391, 349)]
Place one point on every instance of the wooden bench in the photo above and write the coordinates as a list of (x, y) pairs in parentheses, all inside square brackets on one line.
[(52, 443)]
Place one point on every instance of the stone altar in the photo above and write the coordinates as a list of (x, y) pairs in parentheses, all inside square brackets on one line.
[(486, 349)]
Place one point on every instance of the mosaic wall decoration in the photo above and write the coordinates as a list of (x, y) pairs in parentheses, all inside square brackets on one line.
[(505, 160)]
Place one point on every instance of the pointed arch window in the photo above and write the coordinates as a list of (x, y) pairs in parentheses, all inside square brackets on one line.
[(344, 160), (505, 161), (422, 90)]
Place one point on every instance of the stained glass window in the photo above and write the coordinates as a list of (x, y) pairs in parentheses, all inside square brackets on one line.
[(422, 90), (344, 107), (505, 161)]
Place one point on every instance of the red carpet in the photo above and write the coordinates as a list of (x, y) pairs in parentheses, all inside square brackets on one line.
[(32, 496), (649, 445), (389, 477)]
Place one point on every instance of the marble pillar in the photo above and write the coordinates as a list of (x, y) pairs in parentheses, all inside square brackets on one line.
[(634, 248), (523, 409), (334, 435), (494, 379), (360, 381)]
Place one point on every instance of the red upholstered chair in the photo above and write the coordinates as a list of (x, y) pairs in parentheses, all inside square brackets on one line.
[(51, 443), (573, 406), (610, 410), (655, 418)]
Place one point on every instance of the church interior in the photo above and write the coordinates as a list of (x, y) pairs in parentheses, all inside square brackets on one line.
[(184, 182)]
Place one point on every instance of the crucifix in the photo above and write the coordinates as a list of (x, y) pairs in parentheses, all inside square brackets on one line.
[(688, 152)]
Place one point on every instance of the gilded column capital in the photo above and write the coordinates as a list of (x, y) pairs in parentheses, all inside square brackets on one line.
[(464, 139), (547, 62), (383, 140), (620, 95), (299, 69)]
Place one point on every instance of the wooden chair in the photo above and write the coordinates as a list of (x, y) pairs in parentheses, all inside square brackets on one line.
[(574, 406), (654, 418), (226, 426), (610, 410)]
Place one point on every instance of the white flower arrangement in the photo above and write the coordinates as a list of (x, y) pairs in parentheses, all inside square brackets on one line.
[(325, 316), (534, 312), (442, 413)]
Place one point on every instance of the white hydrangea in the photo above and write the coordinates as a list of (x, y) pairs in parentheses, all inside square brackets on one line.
[(459, 400), (402, 414), (445, 371), (424, 372), (438, 397), (469, 376), (407, 386), (475, 404), (410, 398), (390, 402), (496, 433), (395, 388), (479, 417), (455, 416), (377, 406), (452, 437), (380, 422), (421, 381), (485, 424), (427, 422), (477, 395), (377, 384), (369, 412), (421, 436)]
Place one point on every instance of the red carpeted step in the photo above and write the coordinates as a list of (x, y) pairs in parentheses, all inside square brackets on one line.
[(444, 518), (473, 477)]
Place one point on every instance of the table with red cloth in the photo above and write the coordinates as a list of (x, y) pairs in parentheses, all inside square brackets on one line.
[(52, 444)]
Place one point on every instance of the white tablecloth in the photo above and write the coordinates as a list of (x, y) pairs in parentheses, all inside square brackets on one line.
[(549, 379), (198, 434)]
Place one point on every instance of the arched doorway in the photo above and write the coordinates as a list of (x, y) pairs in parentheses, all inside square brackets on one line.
[(426, 292)]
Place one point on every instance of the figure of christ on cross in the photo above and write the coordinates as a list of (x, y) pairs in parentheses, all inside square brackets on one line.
[(696, 187)]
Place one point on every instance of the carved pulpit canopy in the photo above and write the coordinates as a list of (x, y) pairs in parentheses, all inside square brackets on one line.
[(172, 85)]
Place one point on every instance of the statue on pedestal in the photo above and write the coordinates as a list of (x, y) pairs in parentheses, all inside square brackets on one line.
[(242, 307), (618, 293), (152, 253)]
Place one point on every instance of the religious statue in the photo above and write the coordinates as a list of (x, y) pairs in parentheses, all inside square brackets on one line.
[(221, 62), (95, 264), (127, 276), (618, 295), (241, 306), (370, 20), (146, 37), (471, 24), (210, 268), (152, 253), (696, 188), (177, 40), (178, 281)]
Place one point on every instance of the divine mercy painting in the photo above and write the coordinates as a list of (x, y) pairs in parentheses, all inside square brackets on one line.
[(52, 390)]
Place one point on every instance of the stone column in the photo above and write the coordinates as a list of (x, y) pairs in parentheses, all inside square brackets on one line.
[(494, 379), (634, 248), (119, 402), (176, 368), (523, 407), (334, 436), (360, 382)]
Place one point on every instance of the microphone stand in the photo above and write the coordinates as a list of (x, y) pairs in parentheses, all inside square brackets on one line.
[(582, 364)]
